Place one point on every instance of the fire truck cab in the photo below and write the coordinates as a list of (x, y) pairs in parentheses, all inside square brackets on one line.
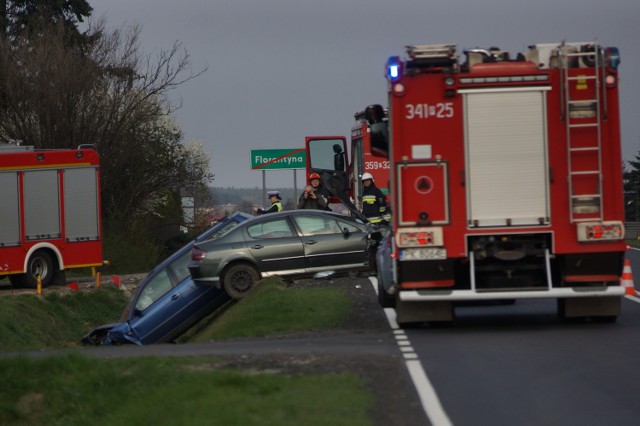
[(506, 180), (328, 156), (364, 156)]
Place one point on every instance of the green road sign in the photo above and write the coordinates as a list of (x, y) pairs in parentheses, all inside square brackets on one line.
[(278, 159)]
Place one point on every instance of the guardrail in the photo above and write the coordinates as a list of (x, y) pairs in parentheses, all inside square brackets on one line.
[(632, 231)]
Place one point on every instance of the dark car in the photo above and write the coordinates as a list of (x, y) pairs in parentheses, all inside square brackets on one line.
[(386, 296), (167, 302), (296, 243)]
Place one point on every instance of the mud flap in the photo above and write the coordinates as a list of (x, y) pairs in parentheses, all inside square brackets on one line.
[(417, 312), (589, 307)]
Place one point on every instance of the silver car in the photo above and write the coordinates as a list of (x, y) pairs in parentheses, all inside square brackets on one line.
[(296, 243)]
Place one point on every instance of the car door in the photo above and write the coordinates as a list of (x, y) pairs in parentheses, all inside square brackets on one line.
[(275, 246), (170, 302), (328, 246)]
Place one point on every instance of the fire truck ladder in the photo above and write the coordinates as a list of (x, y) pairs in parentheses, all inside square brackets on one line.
[(582, 115)]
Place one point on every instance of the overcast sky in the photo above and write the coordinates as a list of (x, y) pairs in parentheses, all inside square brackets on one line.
[(279, 70)]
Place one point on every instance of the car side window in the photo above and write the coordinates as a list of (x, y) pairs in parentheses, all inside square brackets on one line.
[(349, 226), (180, 266), (157, 287), (278, 228), (316, 225)]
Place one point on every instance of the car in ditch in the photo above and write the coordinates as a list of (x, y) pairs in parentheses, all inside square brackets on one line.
[(167, 302), (289, 244)]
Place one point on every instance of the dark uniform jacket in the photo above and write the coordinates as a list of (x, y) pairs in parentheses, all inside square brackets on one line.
[(374, 203), (320, 203)]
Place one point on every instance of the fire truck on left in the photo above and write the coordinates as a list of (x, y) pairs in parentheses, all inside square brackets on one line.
[(49, 214)]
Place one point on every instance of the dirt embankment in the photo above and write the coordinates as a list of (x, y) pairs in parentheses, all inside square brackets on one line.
[(126, 283)]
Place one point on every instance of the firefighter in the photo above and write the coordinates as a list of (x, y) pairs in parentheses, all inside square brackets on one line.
[(311, 198), (374, 203), (276, 205)]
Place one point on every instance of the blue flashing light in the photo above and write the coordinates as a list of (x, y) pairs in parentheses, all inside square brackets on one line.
[(394, 71), (394, 68), (613, 57)]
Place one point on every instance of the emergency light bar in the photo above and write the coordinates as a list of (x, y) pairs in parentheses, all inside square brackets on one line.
[(600, 231), (431, 51)]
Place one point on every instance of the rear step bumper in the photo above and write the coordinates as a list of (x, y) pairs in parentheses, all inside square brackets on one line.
[(554, 293)]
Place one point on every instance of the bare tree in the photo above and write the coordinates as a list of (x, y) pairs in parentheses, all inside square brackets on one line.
[(106, 93)]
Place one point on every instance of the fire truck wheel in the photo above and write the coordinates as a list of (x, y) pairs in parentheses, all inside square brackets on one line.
[(239, 280), (40, 263)]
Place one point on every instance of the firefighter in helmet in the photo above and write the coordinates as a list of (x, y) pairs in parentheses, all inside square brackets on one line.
[(374, 202), (276, 205), (312, 198)]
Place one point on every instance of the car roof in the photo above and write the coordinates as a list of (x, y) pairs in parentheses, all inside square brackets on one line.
[(324, 213), (237, 216)]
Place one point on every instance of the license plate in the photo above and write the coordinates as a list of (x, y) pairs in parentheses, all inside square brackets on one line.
[(431, 253)]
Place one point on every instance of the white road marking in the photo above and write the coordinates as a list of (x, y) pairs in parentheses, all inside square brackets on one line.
[(633, 298), (428, 397)]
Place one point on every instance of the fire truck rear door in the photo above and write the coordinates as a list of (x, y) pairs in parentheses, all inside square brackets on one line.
[(506, 156)]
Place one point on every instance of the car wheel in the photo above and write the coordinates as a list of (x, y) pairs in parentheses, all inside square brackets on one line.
[(239, 280), (40, 263)]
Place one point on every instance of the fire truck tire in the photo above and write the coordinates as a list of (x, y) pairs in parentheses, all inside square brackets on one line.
[(39, 263), (239, 280)]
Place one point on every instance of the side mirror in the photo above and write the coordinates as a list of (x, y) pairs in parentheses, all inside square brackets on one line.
[(345, 232)]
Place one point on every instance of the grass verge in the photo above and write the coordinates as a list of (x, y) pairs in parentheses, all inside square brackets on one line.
[(55, 319), (275, 309), (74, 390)]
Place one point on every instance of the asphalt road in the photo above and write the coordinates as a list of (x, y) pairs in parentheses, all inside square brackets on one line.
[(520, 365)]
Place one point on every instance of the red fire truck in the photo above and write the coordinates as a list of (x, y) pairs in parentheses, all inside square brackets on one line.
[(50, 213), (506, 180), (326, 155), (365, 161)]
